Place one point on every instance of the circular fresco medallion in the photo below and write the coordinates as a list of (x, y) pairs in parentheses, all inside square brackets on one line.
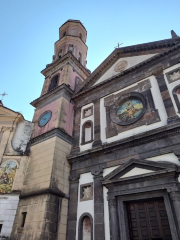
[(44, 118), (120, 66), (128, 109)]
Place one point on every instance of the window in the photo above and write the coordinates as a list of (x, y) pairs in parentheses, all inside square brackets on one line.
[(87, 132), (54, 82), (64, 34), (80, 35), (23, 218), (60, 53), (70, 48), (80, 57), (176, 95), (1, 227)]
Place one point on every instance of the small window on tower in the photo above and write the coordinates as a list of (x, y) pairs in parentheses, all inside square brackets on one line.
[(64, 34), (70, 48), (80, 57), (60, 53), (80, 35), (54, 82), (0, 227), (23, 218)]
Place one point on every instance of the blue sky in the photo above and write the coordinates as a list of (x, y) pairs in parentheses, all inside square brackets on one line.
[(30, 28)]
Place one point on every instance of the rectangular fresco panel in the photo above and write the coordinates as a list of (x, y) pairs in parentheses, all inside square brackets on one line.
[(7, 175)]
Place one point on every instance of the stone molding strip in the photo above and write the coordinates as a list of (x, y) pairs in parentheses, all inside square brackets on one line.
[(56, 132), (152, 135), (49, 94), (57, 193)]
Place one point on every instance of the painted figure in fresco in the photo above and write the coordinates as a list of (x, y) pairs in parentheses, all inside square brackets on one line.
[(4, 178), (131, 110), (86, 229)]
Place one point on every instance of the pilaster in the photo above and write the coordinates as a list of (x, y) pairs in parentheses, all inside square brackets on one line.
[(113, 219), (98, 205), (175, 198), (171, 114), (97, 128), (73, 202)]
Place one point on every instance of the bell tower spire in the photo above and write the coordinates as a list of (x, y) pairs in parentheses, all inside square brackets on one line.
[(72, 38)]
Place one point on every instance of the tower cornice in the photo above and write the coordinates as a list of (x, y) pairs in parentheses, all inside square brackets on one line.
[(67, 56), (64, 89)]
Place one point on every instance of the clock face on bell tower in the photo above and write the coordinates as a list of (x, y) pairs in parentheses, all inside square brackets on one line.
[(44, 119)]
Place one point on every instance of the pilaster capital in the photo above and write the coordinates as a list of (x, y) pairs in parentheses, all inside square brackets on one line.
[(97, 172), (4, 129), (177, 153), (175, 196), (157, 72), (74, 178)]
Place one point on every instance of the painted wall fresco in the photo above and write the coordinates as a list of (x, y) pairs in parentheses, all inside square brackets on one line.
[(86, 229), (7, 175), (130, 110)]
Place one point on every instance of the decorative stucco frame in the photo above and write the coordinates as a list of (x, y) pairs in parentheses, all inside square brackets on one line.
[(120, 101), (83, 115), (171, 72), (81, 192), (150, 114)]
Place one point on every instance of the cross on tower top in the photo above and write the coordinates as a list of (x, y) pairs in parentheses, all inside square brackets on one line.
[(118, 45), (3, 95)]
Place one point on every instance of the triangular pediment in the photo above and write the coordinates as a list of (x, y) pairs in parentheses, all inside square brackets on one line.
[(136, 171), (6, 113), (121, 65), (138, 55), (138, 168)]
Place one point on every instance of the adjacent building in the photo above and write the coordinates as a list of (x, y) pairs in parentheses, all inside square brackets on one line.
[(105, 146), (14, 136)]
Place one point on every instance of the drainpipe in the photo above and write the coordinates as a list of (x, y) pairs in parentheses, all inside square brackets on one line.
[(58, 221)]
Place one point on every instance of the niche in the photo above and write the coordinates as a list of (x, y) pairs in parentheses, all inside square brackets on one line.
[(87, 132)]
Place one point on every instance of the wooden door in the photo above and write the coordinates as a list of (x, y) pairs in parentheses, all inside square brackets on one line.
[(148, 220)]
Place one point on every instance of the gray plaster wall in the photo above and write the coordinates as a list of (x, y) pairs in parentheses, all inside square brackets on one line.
[(21, 136)]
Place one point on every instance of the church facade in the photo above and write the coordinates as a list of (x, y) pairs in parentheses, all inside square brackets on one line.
[(105, 146)]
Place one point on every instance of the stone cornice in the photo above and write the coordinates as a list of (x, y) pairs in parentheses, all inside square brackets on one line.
[(56, 192), (153, 175), (67, 56), (112, 58), (56, 132), (139, 139), (73, 21), (44, 97)]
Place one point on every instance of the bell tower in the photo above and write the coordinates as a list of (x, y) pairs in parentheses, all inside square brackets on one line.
[(43, 207)]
